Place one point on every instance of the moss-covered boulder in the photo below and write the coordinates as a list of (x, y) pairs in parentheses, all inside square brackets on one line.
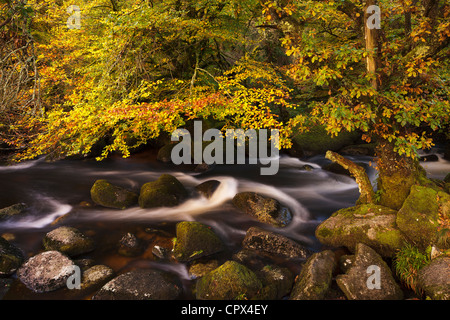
[(68, 240), (13, 210), (422, 214), (372, 225), (166, 191), (315, 277), (195, 240), (108, 195), (369, 278), (434, 279), (96, 276), (165, 153), (230, 281), (11, 257), (318, 141), (264, 209)]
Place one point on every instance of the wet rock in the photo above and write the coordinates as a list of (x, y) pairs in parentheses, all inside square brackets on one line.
[(262, 208), (345, 262), (419, 216), (46, 271), (195, 240), (230, 281), (434, 279), (315, 278), (5, 284), (199, 269), (68, 240), (165, 153), (141, 284), (429, 158), (108, 195), (253, 259), (161, 252), (96, 276), (373, 225), (14, 210), (166, 191), (207, 188), (274, 244), (277, 282), (361, 281), (11, 257), (130, 245)]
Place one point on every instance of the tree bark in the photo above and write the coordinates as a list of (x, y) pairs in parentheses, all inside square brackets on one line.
[(367, 194), (372, 45)]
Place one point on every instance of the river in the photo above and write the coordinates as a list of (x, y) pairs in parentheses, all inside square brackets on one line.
[(56, 189)]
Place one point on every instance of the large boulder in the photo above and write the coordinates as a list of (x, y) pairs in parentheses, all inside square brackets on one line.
[(11, 257), (68, 240), (46, 271), (315, 277), (207, 188), (195, 240), (141, 284), (108, 195), (373, 225), (264, 209), (419, 217), (434, 279), (166, 191), (230, 281), (273, 244), (369, 278)]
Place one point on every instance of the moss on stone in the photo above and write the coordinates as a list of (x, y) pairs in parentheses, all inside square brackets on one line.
[(166, 191), (108, 195), (195, 240), (230, 281)]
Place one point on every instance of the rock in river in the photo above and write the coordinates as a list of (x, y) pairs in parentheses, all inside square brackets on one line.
[(166, 191), (264, 209), (46, 271), (108, 195), (68, 240), (140, 284), (195, 240), (11, 258)]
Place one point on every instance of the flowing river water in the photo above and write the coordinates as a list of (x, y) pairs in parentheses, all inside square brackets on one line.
[(61, 189)]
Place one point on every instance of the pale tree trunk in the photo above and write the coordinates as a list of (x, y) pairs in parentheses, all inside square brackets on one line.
[(371, 35)]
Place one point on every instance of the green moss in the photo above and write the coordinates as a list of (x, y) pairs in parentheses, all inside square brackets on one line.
[(230, 281), (107, 195), (195, 240), (166, 191)]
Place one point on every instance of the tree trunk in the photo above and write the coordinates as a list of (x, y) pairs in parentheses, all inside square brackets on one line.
[(359, 173), (396, 175), (372, 44)]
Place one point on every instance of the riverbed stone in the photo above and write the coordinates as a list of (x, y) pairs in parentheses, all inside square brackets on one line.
[(264, 209), (277, 282), (207, 188), (96, 276), (11, 257), (434, 279), (13, 210), (108, 195), (130, 245), (373, 225), (315, 278), (369, 277), (195, 240), (46, 271), (141, 284), (68, 240), (420, 214), (273, 243), (230, 281), (166, 191)]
